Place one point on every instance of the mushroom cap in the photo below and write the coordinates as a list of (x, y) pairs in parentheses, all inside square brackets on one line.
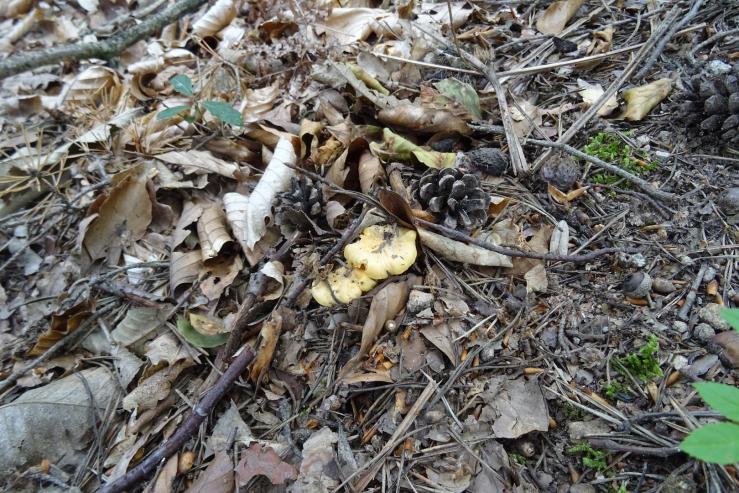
[(342, 285), (383, 251)]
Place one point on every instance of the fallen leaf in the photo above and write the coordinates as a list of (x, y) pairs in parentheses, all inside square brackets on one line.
[(536, 279), (318, 466), (212, 231), (229, 428), (185, 268), (440, 336), (395, 147), (461, 92), (170, 349), (515, 406), (590, 93), (196, 338), (62, 325), (263, 461), (349, 25), (416, 118), (559, 242), (555, 17), (386, 304), (269, 336), (200, 162), (565, 198), (371, 171), (153, 389), (138, 324), (206, 324), (166, 476), (215, 19), (221, 272), (218, 477), (641, 100), (462, 252)]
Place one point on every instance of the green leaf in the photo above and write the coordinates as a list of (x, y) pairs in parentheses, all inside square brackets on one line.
[(462, 93), (396, 147), (172, 112), (224, 112), (717, 443), (731, 315), (723, 398), (196, 338), (182, 84)]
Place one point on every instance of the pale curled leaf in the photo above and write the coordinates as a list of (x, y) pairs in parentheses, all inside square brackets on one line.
[(641, 100), (462, 252), (185, 267), (555, 17), (212, 231), (138, 324), (370, 171), (536, 279), (559, 242), (215, 19), (221, 271), (170, 349), (153, 389), (276, 179), (590, 93), (199, 162), (263, 461)]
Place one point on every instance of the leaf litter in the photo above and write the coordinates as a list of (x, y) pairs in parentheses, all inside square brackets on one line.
[(273, 177)]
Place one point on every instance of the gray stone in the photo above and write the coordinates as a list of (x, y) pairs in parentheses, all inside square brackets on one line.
[(718, 67), (680, 326), (578, 429), (703, 332), (419, 301)]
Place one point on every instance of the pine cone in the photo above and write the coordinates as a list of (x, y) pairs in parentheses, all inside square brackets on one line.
[(711, 109), (301, 207), (454, 197)]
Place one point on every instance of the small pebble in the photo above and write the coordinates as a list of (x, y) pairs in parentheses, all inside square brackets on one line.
[(680, 326), (726, 344), (703, 332), (729, 201), (709, 275), (679, 362), (419, 301), (717, 67), (662, 286), (637, 285), (711, 314)]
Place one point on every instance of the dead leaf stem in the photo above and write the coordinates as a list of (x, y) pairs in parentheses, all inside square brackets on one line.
[(101, 49)]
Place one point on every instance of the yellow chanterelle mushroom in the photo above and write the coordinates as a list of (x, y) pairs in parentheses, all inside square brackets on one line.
[(383, 251), (342, 285)]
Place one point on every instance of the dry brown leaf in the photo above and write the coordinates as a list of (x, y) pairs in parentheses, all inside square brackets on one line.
[(190, 214), (275, 273), (92, 87), (590, 93), (417, 118), (153, 389), (200, 162), (263, 461), (386, 304), (641, 100), (212, 231), (270, 335), (310, 132), (185, 267), (222, 272), (236, 150), (440, 336), (62, 325), (138, 324), (259, 102), (536, 279), (349, 25), (215, 19), (565, 198), (601, 43), (555, 17), (218, 477), (122, 214), (168, 348), (163, 482), (462, 252), (370, 171)]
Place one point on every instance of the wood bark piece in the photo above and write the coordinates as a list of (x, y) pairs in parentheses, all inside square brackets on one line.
[(102, 49)]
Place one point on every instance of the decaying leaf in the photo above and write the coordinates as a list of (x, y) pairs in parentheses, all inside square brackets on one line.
[(170, 349), (462, 252), (421, 119), (370, 171), (383, 251), (263, 461), (153, 389), (185, 268), (215, 19), (318, 471), (212, 231), (138, 324), (269, 334), (221, 272), (198, 339), (559, 242), (515, 406), (395, 147), (342, 286), (565, 198), (386, 304), (590, 93), (62, 325), (536, 279), (92, 86), (555, 17), (200, 162), (462, 93), (122, 214), (229, 429), (440, 336), (218, 477), (641, 100)]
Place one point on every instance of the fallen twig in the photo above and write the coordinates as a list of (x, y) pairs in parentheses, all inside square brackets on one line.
[(511, 252), (643, 184), (684, 312), (711, 40), (186, 430), (102, 49), (634, 449)]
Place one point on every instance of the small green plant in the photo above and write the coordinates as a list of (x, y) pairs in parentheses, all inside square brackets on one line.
[(518, 458), (613, 389), (621, 488), (717, 442), (642, 364), (592, 458), (219, 109), (611, 149), (573, 413)]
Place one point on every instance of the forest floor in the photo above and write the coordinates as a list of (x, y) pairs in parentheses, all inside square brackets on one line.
[(463, 246)]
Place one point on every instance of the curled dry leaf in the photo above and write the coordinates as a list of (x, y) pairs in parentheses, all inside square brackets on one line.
[(62, 325), (386, 304), (555, 17), (559, 242), (349, 25), (212, 231), (200, 163), (153, 389), (263, 461), (218, 477), (536, 279), (93, 86), (395, 147), (184, 268), (191, 212), (601, 43), (275, 271), (258, 102), (383, 251), (126, 208), (565, 198), (215, 19), (138, 324), (641, 100), (342, 286), (170, 349), (421, 119), (269, 335), (462, 252), (590, 93), (222, 271), (370, 171), (276, 179)]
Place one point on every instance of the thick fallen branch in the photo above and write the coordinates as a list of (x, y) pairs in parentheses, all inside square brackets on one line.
[(102, 49), (611, 168)]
